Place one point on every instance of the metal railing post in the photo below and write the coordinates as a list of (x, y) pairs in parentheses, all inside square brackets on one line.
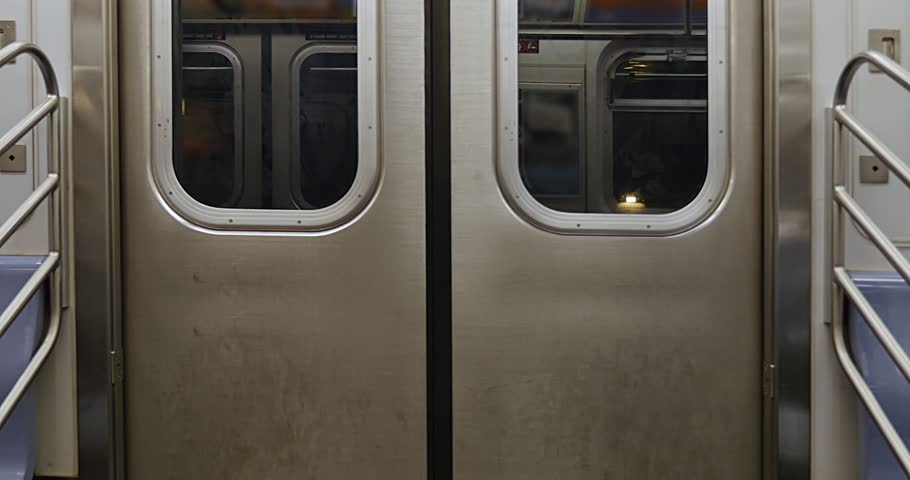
[(842, 204), (51, 188)]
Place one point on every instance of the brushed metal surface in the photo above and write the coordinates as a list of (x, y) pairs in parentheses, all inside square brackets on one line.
[(14, 160), (96, 220), (346, 209), (595, 357), (7, 34), (788, 245), (872, 170), (278, 356)]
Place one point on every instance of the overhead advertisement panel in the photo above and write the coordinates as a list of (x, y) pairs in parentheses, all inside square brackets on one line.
[(639, 11), (270, 9), (621, 12)]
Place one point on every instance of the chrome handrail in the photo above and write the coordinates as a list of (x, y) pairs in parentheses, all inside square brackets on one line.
[(843, 203), (50, 268)]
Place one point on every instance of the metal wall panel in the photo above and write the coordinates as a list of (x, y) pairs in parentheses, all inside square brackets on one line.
[(594, 357), (833, 436), (278, 356)]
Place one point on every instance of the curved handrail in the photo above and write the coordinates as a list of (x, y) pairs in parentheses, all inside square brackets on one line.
[(842, 203), (891, 68), (50, 269), (15, 50), (10, 53)]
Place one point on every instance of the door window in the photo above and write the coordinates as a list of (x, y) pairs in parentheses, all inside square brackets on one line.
[(612, 115), (267, 125)]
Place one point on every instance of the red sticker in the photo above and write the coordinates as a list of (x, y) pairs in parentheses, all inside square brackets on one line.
[(529, 46)]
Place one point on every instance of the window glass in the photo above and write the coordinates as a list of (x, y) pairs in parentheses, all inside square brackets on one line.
[(269, 9), (659, 127), (639, 77), (628, 135), (550, 145), (327, 128), (210, 163), (266, 107), (700, 13), (660, 159), (536, 11)]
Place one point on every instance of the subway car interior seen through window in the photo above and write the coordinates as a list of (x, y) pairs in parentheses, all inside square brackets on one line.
[(266, 105), (613, 101)]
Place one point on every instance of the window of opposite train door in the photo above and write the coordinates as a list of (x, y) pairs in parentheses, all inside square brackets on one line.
[(613, 113), (211, 164), (273, 108)]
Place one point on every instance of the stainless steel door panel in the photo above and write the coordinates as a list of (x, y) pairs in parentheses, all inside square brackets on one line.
[(278, 356), (598, 357)]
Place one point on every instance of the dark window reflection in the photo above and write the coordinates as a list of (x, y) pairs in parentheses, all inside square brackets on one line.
[(550, 146), (265, 105), (328, 129), (209, 166), (659, 158), (659, 125)]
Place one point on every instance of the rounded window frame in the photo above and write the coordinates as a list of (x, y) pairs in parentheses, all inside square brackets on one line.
[(720, 166), (296, 169), (186, 209), (238, 107)]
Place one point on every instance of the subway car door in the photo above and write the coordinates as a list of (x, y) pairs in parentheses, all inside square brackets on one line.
[(273, 239), (607, 239)]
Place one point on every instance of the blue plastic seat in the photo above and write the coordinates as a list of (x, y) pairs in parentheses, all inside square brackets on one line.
[(890, 297), (17, 437)]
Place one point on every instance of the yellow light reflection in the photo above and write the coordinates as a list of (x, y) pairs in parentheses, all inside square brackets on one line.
[(630, 203)]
